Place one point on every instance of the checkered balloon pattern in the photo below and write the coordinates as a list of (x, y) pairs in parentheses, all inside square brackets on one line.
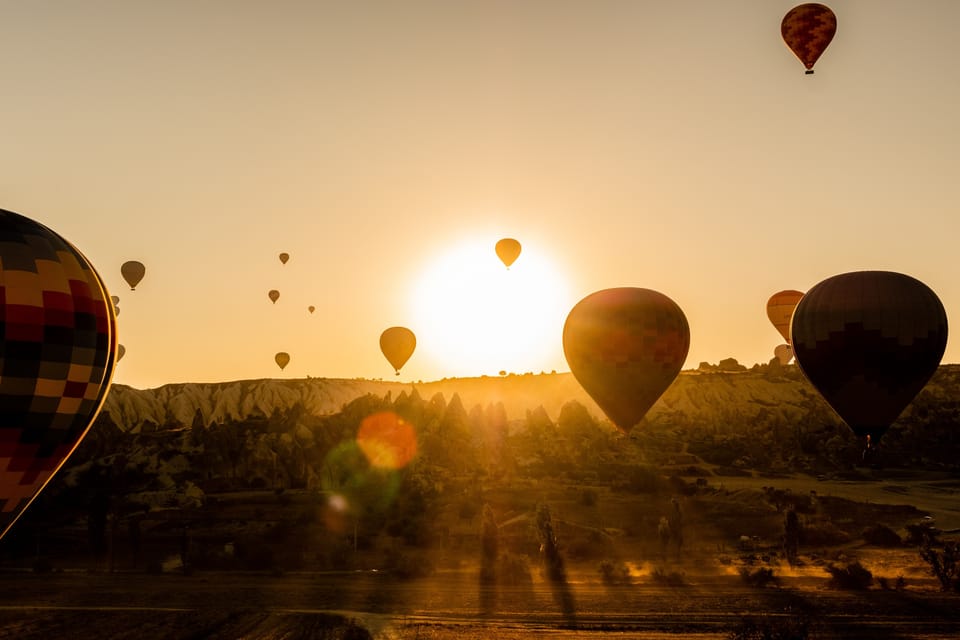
[(625, 346), (57, 351), (808, 29), (869, 341)]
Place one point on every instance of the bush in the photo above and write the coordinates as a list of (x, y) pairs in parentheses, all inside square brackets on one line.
[(822, 534), (614, 573), (409, 566), (881, 536), (514, 571), (854, 577), (759, 578), (671, 579), (588, 498), (789, 628), (945, 565)]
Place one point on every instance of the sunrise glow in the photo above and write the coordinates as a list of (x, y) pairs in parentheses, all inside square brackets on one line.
[(477, 317)]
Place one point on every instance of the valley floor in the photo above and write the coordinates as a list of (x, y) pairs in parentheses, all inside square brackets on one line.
[(451, 605)]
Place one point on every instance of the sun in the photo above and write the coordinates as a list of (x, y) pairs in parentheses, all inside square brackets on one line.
[(476, 317)]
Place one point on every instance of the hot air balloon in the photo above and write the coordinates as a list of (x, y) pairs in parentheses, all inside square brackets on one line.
[(284, 257), (508, 250), (808, 29), (283, 359), (120, 352), (869, 341), (397, 344), (57, 356), (780, 308), (311, 308), (133, 272), (625, 346), (274, 295), (783, 353)]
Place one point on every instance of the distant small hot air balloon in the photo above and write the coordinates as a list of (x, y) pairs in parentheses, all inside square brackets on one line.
[(133, 272), (808, 29), (869, 341), (120, 351), (783, 353), (625, 346), (283, 359), (508, 250), (397, 344), (57, 356), (780, 308), (274, 295), (311, 308), (284, 257)]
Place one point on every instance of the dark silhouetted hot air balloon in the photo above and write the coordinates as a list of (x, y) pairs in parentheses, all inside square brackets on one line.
[(625, 346), (121, 350), (274, 295), (780, 308), (508, 250), (397, 344), (869, 341), (283, 359), (133, 272), (284, 257), (783, 353), (57, 355), (808, 29), (311, 308)]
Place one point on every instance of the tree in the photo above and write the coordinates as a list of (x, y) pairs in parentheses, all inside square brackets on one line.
[(791, 536)]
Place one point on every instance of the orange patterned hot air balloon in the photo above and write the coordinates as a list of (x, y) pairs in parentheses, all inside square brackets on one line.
[(625, 346), (780, 308), (58, 348), (808, 29)]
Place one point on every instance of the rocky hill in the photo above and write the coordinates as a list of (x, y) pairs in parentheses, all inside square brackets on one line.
[(696, 395)]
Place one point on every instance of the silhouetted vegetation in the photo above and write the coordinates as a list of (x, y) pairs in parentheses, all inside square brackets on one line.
[(853, 576)]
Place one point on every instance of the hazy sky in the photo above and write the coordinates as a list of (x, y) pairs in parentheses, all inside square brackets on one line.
[(386, 146)]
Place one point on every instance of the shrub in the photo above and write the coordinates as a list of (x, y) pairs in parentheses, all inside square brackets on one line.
[(671, 579), (785, 628), (881, 536), (408, 566), (854, 576), (614, 573), (514, 571), (759, 578), (945, 565), (588, 497)]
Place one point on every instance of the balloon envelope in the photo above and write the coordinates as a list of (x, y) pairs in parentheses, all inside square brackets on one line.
[(282, 359), (311, 308), (869, 341), (783, 353), (274, 295), (625, 346), (397, 345), (57, 355), (133, 272), (780, 308), (508, 250), (121, 350), (284, 257), (808, 29)]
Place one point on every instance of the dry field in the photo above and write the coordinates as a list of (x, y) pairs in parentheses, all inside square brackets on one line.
[(91, 605)]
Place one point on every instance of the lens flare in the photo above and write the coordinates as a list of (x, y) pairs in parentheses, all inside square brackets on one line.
[(388, 441)]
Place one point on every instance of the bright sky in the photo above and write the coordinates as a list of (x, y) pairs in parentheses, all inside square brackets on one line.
[(676, 146)]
